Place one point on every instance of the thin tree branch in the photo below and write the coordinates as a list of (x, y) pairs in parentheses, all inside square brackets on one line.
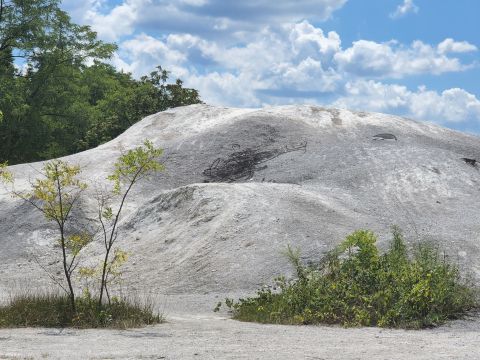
[(37, 261)]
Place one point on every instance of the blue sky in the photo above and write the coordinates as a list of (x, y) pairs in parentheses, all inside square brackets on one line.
[(416, 58)]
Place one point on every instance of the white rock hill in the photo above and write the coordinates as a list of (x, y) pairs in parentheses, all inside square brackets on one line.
[(241, 184)]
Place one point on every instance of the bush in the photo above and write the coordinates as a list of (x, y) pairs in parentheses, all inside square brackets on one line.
[(52, 310), (355, 285)]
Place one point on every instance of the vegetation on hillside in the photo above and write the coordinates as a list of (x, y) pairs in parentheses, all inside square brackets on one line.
[(354, 285), (57, 94), (56, 194)]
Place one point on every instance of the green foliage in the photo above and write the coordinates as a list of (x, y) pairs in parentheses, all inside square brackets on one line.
[(23, 24), (66, 99), (5, 175), (356, 286), (41, 114), (51, 310), (55, 195), (136, 164), (113, 271), (74, 243), (133, 166), (57, 191)]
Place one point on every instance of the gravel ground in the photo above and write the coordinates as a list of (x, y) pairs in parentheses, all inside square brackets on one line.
[(194, 332)]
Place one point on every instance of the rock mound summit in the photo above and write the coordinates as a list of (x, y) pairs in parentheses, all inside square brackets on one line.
[(242, 184)]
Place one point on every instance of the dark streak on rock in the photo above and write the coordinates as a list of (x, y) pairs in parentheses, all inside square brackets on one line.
[(243, 164), (472, 162)]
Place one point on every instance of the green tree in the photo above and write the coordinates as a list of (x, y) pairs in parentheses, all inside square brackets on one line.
[(22, 22), (120, 101), (129, 169), (37, 102), (55, 195), (57, 95)]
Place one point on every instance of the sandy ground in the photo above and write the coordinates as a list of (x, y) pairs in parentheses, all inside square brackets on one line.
[(197, 333)]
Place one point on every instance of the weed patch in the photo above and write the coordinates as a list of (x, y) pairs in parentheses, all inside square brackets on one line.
[(355, 285), (52, 310)]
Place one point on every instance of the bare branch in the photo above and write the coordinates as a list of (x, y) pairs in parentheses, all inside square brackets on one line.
[(55, 280)]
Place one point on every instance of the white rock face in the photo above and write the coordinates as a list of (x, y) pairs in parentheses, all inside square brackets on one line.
[(241, 184)]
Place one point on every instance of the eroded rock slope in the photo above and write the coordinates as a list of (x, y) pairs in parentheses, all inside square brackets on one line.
[(241, 184)]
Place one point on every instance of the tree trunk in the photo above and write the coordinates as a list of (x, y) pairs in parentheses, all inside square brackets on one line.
[(67, 273), (103, 281)]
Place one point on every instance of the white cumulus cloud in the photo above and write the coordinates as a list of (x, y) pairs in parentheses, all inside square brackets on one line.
[(300, 51), (120, 21), (268, 58), (447, 107), (451, 46), (210, 18), (300, 62), (368, 58)]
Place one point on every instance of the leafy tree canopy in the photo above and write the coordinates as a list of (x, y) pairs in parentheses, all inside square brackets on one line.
[(57, 94)]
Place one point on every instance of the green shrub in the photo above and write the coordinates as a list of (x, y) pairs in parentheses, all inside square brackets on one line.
[(52, 310), (354, 285)]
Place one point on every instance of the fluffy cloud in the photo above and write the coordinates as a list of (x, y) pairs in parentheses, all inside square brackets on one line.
[(448, 107), (251, 61), (368, 58), (143, 53), (228, 89), (208, 18), (120, 21), (307, 40), (300, 62), (294, 57), (110, 23), (265, 10), (450, 46), (452, 105), (403, 9)]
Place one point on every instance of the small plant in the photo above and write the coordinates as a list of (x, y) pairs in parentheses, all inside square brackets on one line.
[(354, 285), (55, 194), (5, 175), (54, 310), (129, 169)]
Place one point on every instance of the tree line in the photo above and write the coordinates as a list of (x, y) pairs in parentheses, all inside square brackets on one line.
[(58, 94)]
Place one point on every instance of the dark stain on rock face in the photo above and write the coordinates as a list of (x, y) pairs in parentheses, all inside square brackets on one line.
[(334, 114), (385, 136), (472, 162), (241, 165)]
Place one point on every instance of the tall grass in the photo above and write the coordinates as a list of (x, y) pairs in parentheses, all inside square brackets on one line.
[(54, 310), (355, 285)]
